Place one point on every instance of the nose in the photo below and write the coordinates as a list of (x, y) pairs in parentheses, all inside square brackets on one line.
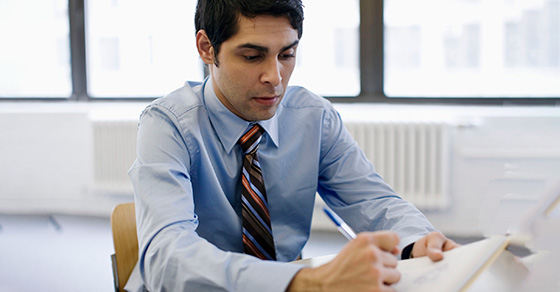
[(271, 72)]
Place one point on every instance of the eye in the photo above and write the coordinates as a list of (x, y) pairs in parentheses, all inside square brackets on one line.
[(252, 57), (286, 56)]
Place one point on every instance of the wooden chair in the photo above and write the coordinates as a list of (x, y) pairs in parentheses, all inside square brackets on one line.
[(125, 240)]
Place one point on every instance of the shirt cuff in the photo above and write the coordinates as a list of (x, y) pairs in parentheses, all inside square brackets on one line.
[(268, 276)]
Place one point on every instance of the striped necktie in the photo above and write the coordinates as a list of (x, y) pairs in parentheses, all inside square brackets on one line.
[(257, 232)]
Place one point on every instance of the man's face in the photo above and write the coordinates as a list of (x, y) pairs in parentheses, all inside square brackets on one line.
[(255, 66)]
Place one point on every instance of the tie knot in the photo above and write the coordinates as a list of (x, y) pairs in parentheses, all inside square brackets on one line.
[(250, 140)]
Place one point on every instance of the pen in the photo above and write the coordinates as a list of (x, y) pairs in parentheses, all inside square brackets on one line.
[(340, 224)]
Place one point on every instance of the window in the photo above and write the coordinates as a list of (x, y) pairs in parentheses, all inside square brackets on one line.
[(444, 51), (140, 48), (132, 55), (328, 54), (472, 48), (35, 54)]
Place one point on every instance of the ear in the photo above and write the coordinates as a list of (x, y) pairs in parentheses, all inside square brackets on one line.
[(205, 48)]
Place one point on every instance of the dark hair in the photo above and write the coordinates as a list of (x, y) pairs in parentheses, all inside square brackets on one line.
[(219, 18)]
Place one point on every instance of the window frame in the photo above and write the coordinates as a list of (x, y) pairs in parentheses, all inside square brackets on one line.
[(371, 36), (76, 10)]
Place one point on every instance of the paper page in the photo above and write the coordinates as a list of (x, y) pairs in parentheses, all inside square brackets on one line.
[(455, 272), (507, 273)]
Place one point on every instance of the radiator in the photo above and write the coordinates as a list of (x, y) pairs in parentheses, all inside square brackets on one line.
[(411, 156), (114, 143)]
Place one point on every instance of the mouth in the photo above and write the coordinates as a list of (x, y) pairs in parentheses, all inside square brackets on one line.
[(267, 100)]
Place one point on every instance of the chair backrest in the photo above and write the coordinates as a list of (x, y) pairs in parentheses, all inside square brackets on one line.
[(125, 240)]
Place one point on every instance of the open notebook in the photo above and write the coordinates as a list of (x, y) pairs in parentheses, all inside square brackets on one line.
[(484, 265), (462, 267)]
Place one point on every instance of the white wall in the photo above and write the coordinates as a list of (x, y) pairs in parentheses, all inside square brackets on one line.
[(46, 158), (502, 160), (501, 157)]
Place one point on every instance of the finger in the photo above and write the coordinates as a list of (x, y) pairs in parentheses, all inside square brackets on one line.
[(382, 258), (435, 255), (388, 260), (449, 245), (434, 244), (391, 276), (385, 240)]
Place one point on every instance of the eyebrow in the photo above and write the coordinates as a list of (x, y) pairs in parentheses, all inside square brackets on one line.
[(265, 49)]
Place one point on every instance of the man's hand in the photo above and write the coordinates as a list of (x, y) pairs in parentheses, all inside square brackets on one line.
[(433, 245), (367, 263)]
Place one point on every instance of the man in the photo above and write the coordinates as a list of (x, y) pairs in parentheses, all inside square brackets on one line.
[(208, 206)]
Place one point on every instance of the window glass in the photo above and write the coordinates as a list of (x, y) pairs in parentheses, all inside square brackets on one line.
[(35, 50), (140, 48), (328, 54), (472, 48)]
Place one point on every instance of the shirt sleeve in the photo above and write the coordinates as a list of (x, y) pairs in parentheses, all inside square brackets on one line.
[(350, 185), (172, 256)]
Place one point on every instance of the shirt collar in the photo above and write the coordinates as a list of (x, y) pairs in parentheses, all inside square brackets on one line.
[(228, 126)]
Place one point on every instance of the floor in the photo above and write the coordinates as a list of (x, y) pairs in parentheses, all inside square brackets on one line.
[(72, 253)]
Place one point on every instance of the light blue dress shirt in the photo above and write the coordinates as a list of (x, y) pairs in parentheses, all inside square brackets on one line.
[(188, 194)]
